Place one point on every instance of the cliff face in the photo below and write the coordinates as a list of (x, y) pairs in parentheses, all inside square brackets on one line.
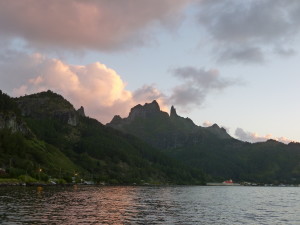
[(159, 129), (10, 117), (10, 121)]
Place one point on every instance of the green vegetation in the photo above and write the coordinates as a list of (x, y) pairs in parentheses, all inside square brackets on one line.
[(9, 181), (27, 179), (7, 104), (110, 156), (60, 151), (267, 162), (22, 156)]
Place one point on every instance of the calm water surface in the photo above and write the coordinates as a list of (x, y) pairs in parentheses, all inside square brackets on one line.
[(150, 205)]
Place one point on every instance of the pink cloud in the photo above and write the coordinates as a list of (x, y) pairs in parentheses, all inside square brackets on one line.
[(207, 124), (91, 24), (95, 86)]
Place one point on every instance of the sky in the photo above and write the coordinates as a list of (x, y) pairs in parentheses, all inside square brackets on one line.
[(230, 62)]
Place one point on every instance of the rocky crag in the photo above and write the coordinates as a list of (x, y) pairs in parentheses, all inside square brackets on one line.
[(49, 105), (165, 131)]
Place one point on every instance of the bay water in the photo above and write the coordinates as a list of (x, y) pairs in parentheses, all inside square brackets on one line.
[(150, 205)]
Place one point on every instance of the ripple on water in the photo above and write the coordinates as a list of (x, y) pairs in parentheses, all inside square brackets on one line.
[(150, 205)]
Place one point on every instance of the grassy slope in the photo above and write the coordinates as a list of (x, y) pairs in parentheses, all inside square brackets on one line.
[(21, 155)]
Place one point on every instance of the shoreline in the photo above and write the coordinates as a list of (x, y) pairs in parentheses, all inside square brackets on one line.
[(142, 185)]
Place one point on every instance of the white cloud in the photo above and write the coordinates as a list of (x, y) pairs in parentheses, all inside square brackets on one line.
[(254, 137), (96, 87)]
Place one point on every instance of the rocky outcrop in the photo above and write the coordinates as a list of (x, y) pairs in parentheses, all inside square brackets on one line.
[(80, 111), (116, 120), (218, 131), (49, 105), (149, 111), (145, 111)]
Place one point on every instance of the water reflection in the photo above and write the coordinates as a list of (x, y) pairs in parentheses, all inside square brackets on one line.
[(149, 205)]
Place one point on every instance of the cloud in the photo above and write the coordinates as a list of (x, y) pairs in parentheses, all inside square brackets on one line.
[(207, 124), (206, 79), (148, 93), (184, 96), (95, 86), (91, 24), (246, 55), (236, 21), (285, 52), (252, 25), (98, 88), (196, 85), (254, 137)]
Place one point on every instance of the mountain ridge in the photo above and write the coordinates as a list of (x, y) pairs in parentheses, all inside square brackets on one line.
[(177, 128), (66, 142), (212, 149), (150, 146)]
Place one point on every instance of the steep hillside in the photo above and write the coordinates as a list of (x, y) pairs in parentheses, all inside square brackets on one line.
[(91, 150), (21, 153), (211, 149)]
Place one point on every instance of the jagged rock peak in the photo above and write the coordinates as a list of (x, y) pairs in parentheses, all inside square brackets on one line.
[(116, 120), (154, 106), (80, 111), (144, 111), (173, 112)]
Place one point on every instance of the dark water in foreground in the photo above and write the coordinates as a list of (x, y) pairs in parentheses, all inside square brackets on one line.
[(150, 205)]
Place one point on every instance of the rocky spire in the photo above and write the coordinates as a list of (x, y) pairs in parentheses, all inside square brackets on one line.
[(80, 111), (173, 112)]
